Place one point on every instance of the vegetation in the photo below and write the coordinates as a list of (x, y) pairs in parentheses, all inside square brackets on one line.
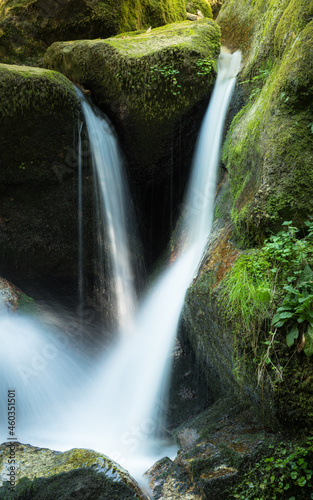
[(286, 474), (193, 6), (269, 292)]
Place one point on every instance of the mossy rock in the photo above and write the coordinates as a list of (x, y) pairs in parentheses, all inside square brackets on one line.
[(269, 146), (202, 5), (39, 113), (38, 473), (152, 74), (27, 27), (154, 86)]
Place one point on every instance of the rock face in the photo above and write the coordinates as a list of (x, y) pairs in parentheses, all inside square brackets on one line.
[(268, 152), (216, 449), (28, 27), (267, 179), (44, 474), (153, 86), (38, 205)]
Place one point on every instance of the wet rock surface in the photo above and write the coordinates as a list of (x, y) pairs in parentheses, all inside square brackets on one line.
[(42, 474), (12, 299), (216, 447)]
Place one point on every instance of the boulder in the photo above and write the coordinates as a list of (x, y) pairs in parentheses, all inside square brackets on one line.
[(217, 447), (28, 27), (154, 85), (38, 179), (31, 473), (12, 299), (268, 151)]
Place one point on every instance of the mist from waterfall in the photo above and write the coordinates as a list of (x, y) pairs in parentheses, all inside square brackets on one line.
[(116, 406)]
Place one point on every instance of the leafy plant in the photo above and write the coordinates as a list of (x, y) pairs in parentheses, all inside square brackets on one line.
[(204, 67), (272, 287), (296, 313), (260, 77), (168, 74), (286, 474)]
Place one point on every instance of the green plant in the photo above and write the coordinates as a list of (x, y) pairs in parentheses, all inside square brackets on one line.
[(256, 80), (168, 74), (286, 474), (286, 253), (296, 313), (247, 295), (272, 286), (204, 67)]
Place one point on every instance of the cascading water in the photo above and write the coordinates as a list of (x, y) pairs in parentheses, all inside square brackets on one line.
[(114, 407), (112, 194)]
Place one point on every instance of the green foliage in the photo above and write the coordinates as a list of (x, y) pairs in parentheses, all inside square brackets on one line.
[(272, 286), (168, 74), (204, 67), (286, 474), (257, 81), (296, 311), (247, 295)]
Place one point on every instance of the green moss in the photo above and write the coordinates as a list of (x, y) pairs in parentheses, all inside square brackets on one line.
[(154, 74), (296, 16), (24, 87), (28, 28), (41, 473), (202, 5), (268, 147), (27, 305)]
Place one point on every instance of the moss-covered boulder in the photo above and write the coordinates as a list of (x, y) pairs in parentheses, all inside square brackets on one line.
[(268, 151), (27, 27), (31, 473), (154, 85), (39, 113)]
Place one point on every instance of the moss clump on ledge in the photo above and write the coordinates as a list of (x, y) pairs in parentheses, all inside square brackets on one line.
[(47, 101)]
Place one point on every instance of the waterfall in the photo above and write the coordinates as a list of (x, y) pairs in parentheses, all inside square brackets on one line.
[(111, 192), (137, 366), (80, 225), (116, 406)]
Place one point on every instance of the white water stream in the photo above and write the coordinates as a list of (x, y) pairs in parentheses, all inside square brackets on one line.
[(112, 195), (114, 407)]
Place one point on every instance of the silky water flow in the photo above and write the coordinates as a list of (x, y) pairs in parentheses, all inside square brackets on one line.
[(115, 405)]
